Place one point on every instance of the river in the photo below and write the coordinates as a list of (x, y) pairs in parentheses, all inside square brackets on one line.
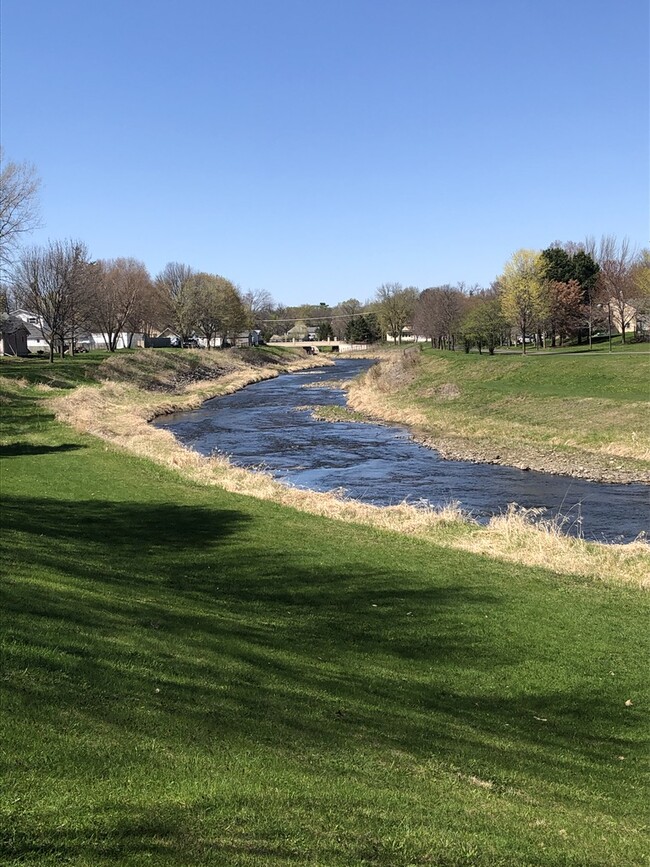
[(260, 427)]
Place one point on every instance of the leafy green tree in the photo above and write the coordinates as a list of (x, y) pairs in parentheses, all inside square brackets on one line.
[(570, 264), (344, 313), (522, 299), (484, 324), (324, 330), (363, 329), (641, 274)]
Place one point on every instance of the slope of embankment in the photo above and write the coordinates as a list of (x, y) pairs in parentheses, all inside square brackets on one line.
[(583, 415)]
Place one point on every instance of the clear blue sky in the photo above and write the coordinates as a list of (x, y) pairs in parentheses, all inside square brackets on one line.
[(318, 148)]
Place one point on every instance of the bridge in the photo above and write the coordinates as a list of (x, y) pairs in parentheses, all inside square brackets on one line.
[(331, 345)]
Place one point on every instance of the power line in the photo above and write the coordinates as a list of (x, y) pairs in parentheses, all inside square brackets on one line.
[(314, 318)]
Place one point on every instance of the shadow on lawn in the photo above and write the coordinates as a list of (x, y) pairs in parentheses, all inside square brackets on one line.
[(183, 624), (19, 448)]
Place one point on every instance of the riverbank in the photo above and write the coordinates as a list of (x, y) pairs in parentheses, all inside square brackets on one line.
[(582, 416), (119, 412)]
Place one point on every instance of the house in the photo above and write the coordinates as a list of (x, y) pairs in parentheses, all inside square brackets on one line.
[(13, 336), (36, 342), (637, 317), (125, 340), (407, 336), (299, 332), (248, 338)]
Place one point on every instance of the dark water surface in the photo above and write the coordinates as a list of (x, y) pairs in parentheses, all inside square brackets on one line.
[(260, 427)]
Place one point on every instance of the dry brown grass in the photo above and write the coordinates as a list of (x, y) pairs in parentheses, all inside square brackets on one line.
[(514, 429), (119, 413)]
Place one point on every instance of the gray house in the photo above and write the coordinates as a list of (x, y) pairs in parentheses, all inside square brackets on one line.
[(13, 336)]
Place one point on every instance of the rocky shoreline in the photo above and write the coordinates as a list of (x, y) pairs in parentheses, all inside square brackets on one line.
[(591, 468)]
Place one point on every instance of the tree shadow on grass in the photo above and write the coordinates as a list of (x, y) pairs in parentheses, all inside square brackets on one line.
[(23, 448), (189, 625)]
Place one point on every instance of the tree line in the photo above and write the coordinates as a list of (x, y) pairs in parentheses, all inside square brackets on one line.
[(567, 291)]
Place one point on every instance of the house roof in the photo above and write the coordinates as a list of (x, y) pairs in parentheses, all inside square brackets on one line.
[(12, 324)]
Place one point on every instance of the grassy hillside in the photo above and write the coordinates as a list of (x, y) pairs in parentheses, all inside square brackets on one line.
[(584, 414), (195, 677)]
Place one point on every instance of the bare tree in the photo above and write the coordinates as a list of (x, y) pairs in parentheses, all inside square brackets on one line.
[(175, 284), (438, 315), (119, 287), (259, 305), (617, 260), (51, 282), (19, 211), (219, 309), (395, 307)]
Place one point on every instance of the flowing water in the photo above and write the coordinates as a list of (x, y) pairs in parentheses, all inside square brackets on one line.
[(261, 427)]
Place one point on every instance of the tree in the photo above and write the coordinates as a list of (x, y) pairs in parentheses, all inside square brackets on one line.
[(175, 284), (324, 330), (484, 323), (563, 301), (234, 315), (363, 329), (563, 264), (19, 211), (260, 307), (641, 274), (51, 282), (119, 288), (205, 301), (522, 303), (395, 307), (218, 307), (438, 314), (345, 312), (617, 261)]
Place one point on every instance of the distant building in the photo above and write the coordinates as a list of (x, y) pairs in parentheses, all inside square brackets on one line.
[(299, 332), (13, 336)]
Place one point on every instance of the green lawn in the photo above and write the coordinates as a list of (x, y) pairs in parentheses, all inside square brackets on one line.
[(549, 411), (193, 677)]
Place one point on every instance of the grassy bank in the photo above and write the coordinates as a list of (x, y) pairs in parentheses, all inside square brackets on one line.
[(197, 677), (582, 414)]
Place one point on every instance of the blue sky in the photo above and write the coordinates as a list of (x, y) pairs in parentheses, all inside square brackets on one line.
[(319, 148)]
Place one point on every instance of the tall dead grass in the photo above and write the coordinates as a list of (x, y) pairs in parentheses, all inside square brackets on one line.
[(119, 413), (368, 393)]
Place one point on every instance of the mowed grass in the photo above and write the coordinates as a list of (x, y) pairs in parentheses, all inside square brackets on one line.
[(195, 677), (593, 408)]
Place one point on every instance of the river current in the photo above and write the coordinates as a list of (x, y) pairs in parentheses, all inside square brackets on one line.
[(263, 427)]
